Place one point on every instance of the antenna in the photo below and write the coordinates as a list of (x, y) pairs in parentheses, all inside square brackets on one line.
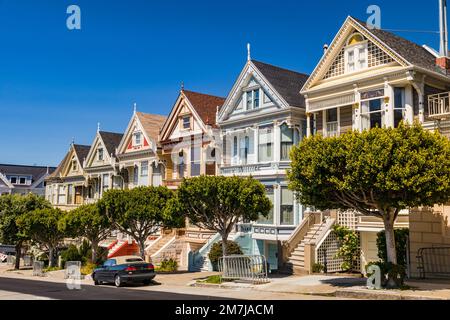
[(248, 52), (443, 50)]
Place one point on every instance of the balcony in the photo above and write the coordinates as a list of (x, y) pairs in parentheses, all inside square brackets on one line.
[(253, 168), (439, 106)]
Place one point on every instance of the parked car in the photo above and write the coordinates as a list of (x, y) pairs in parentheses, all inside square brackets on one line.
[(123, 270)]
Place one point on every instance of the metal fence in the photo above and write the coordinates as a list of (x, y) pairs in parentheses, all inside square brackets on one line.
[(27, 261), (252, 268), (434, 262), (38, 268)]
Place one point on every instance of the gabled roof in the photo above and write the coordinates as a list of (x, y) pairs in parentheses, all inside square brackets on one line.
[(81, 151), (37, 172), (410, 51), (205, 105), (286, 82), (151, 123), (111, 141)]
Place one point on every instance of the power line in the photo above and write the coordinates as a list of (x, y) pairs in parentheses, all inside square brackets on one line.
[(415, 31)]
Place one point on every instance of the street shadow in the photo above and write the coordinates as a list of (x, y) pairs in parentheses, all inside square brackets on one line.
[(60, 291), (344, 282)]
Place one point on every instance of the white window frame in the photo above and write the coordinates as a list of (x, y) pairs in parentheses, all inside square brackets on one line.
[(182, 118), (102, 153), (135, 140), (359, 64)]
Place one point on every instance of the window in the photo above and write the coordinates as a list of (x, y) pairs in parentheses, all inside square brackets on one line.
[(181, 165), (244, 150), (269, 218), (235, 146), (356, 53), (287, 141), (287, 207), (13, 180), (135, 175), (144, 169), (22, 180), (399, 105), (69, 194), (332, 122), (74, 165), (100, 154), (253, 99), (372, 113), (186, 122), (195, 161), (137, 139), (105, 182), (265, 144)]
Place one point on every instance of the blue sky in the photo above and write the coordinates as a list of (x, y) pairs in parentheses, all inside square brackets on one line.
[(56, 84)]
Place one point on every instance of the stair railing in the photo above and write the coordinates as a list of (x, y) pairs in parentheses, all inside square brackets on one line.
[(311, 218)]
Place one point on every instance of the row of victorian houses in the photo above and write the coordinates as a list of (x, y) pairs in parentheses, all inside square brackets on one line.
[(365, 78)]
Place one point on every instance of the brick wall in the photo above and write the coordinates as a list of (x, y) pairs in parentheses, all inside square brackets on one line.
[(429, 227)]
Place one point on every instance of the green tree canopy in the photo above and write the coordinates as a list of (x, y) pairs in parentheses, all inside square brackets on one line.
[(140, 212), (42, 227), (218, 203), (376, 172), (11, 208), (87, 221)]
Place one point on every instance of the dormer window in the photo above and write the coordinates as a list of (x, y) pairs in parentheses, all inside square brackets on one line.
[(137, 139), (100, 154), (74, 165), (13, 180), (356, 53), (253, 99), (186, 122), (22, 180)]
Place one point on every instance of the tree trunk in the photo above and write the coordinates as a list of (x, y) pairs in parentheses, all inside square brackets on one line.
[(51, 257), (390, 245), (18, 249), (142, 248), (224, 252), (94, 245)]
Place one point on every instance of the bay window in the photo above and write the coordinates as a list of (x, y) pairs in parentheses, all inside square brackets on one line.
[(195, 161), (265, 146), (69, 194), (399, 105), (287, 141), (144, 169), (105, 182), (244, 149), (269, 218), (372, 113), (287, 207)]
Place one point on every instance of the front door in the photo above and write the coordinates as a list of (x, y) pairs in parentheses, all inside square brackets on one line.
[(78, 195)]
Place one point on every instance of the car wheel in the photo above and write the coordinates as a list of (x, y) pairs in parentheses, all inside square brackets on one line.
[(118, 281), (96, 282)]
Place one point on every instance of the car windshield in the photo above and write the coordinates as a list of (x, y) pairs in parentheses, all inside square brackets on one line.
[(134, 260)]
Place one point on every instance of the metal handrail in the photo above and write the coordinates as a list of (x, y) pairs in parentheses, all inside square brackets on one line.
[(253, 268), (434, 262), (439, 104)]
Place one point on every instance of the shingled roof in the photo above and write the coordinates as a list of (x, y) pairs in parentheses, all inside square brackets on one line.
[(111, 140), (286, 82), (37, 172), (408, 50), (81, 152), (152, 123), (205, 105)]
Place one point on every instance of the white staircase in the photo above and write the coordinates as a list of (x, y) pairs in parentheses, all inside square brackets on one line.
[(116, 247), (159, 243), (297, 258)]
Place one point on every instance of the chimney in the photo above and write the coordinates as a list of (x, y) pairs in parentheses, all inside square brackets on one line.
[(443, 60), (325, 48)]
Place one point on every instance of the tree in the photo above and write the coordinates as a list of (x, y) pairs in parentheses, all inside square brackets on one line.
[(376, 172), (140, 212), (42, 227), (218, 203), (87, 221), (11, 208)]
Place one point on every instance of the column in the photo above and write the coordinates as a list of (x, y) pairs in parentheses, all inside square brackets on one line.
[(409, 112), (324, 123), (388, 105), (308, 125)]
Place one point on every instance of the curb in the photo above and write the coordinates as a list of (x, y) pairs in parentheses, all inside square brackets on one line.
[(365, 295), (218, 286)]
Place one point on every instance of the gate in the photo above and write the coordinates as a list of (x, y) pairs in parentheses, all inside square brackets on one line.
[(434, 262)]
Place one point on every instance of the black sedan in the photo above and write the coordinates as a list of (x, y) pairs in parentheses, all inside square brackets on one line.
[(123, 270)]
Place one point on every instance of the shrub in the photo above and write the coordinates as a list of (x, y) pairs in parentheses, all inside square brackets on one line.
[(318, 268), (348, 246), (168, 265), (401, 238), (71, 254), (216, 251), (88, 268)]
